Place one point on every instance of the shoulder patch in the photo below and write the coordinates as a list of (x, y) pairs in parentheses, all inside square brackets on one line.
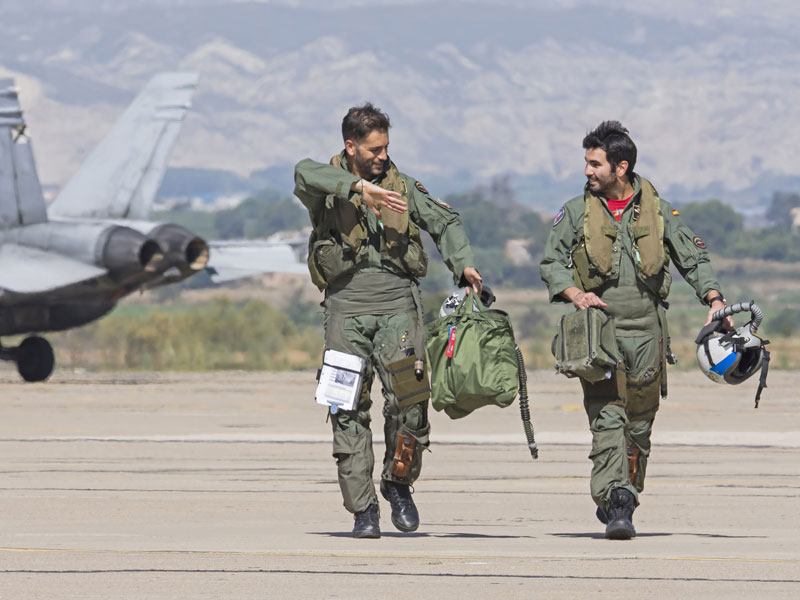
[(699, 243), (559, 216), (420, 187), (675, 213)]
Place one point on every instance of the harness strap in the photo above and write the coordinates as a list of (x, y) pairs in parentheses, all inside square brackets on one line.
[(762, 381), (737, 342)]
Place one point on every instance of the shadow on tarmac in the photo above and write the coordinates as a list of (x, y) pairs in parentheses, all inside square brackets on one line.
[(598, 535), (398, 534)]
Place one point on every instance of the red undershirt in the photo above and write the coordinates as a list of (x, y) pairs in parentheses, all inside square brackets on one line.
[(617, 207)]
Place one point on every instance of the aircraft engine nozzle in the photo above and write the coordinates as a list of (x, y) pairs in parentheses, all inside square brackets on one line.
[(150, 256), (182, 248), (197, 254), (127, 251)]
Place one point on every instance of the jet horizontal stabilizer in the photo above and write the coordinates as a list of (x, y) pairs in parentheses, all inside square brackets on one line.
[(25, 270), (231, 261)]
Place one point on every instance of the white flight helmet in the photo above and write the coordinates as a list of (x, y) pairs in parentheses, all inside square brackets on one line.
[(735, 356), (457, 296)]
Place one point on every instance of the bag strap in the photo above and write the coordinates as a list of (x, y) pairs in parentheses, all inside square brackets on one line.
[(467, 305)]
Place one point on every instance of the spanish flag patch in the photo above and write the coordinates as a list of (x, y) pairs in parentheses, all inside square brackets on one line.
[(675, 213), (559, 215)]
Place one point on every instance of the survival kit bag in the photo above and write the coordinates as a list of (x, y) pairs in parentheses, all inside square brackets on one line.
[(475, 362)]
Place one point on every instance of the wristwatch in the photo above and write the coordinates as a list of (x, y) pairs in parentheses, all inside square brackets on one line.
[(715, 298)]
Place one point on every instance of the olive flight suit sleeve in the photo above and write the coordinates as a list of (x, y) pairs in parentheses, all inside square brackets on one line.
[(689, 253), (555, 267), (316, 181), (444, 226)]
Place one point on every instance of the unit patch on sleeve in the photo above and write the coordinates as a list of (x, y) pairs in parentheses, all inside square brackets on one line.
[(699, 243), (420, 187), (559, 216)]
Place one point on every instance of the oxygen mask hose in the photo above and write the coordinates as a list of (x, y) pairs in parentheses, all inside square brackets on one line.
[(524, 409), (755, 312)]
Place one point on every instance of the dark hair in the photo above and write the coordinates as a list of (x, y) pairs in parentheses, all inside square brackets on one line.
[(612, 137), (360, 121)]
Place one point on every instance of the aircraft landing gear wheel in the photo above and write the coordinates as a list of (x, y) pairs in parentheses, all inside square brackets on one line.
[(35, 360)]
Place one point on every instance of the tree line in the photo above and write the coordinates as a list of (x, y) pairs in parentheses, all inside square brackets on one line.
[(252, 334), (724, 232), (492, 216)]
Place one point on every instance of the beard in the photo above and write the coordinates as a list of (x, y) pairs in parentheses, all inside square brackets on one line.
[(370, 168), (600, 186)]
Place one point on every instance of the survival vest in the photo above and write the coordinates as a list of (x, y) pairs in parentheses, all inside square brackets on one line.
[(339, 242), (597, 255)]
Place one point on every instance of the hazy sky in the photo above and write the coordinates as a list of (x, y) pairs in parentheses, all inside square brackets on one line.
[(710, 90)]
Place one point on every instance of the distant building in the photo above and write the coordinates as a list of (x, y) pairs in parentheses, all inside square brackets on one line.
[(200, 203), (795, 212), (517, 252)]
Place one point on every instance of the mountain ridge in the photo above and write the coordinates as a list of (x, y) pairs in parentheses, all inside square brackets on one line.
[(473, 93)]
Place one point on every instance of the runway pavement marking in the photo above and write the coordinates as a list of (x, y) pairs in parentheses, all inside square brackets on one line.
[(738, 439), (463, 557)]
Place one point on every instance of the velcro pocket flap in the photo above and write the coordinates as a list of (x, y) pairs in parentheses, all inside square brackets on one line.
[(407, 388)]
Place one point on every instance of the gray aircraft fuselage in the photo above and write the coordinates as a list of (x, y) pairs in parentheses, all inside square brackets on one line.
[(68, 264)]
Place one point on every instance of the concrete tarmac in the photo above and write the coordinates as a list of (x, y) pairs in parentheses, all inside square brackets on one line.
[(222, 485)]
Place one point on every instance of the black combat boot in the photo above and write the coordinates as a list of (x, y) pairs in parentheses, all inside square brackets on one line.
[(367, 523), (601, 514), (404, 513), (620, 515)]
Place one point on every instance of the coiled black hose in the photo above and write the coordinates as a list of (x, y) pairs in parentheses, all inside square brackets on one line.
[(755, 312), (524, 409)]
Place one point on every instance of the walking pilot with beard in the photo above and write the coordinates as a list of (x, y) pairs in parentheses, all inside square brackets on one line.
[(611, 248), (366, 254)]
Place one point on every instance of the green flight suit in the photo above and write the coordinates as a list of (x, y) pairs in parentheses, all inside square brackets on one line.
[(621, 410), (375, 313)]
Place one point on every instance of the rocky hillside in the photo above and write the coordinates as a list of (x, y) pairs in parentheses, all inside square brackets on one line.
[(710, 92)]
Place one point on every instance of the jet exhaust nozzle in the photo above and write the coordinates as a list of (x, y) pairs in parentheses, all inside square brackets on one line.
[(126, 251), (182, 248), (197, 254)]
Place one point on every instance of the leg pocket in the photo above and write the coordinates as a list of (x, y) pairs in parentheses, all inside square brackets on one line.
[(643, 389), (413, 423), (407, 389)]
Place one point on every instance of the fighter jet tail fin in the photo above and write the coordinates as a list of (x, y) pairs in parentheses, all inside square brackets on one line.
[(121, 177), (21, 201)]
